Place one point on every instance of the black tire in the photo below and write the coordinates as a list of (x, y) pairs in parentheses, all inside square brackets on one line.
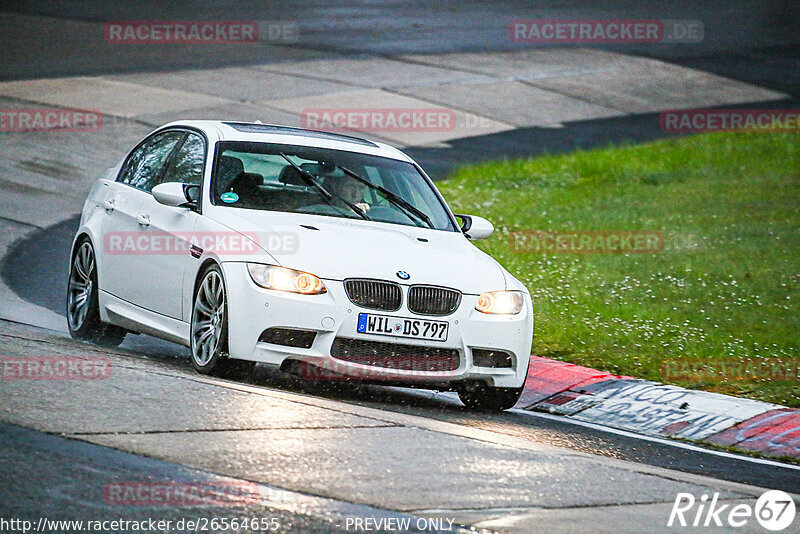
[(483, 397), (83, 307), (209, 299)]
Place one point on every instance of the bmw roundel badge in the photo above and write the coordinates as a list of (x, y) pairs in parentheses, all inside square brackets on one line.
[(402, 275)]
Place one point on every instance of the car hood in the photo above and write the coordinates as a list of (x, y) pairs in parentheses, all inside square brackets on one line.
[(334, 248)]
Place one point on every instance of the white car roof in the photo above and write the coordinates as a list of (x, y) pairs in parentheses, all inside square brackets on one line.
[(289, 135)]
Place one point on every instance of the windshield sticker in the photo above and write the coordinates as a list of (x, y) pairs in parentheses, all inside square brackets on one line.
[(229, 197)]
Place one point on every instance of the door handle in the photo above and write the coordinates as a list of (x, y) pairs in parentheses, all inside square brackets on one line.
[(110, 205), (143, 220)]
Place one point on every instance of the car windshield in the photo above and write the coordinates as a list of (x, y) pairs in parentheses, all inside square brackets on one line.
[(321, 181)]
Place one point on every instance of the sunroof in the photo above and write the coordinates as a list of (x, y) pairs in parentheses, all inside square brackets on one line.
[(248, 127)]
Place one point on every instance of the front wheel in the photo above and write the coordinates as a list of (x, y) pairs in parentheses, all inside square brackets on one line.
[(83, 304), (209, 329), (481, 396)]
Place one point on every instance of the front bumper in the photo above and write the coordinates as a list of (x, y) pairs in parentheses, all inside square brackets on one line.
[(252, 309)]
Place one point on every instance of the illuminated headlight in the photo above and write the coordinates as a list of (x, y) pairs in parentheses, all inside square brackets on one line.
[(283, 279), (500, 302)]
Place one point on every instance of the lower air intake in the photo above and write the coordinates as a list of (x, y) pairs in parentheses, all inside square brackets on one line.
[(395, 355), (492, 358), (300, 339)]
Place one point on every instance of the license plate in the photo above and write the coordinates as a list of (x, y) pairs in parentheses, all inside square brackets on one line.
[(386, 325)]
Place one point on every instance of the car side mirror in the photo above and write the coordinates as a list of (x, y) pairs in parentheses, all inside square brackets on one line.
[(177, 195), (475, 227)]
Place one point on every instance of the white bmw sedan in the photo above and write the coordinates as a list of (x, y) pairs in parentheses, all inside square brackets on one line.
[(310, 251)]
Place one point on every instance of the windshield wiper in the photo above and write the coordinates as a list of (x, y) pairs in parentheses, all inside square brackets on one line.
[(401, 203), (310, 179)]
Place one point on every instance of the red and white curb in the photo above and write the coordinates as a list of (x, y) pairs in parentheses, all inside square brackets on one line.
[(661, 410)]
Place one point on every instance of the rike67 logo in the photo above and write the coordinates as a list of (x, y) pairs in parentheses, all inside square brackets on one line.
[(774, 511)]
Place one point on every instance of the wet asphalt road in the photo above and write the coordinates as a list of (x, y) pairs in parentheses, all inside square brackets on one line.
[(320, 448), (743, 39), (68, 471)]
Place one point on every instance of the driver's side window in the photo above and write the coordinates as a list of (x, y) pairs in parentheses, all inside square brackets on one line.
[(143, 167), (188, 163)]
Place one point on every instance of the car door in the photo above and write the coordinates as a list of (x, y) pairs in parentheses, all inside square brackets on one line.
[(121, 273), (168, 230)]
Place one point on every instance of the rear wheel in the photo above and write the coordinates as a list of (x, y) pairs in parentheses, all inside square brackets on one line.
[(481, 396), (83, 307), (209, 329)]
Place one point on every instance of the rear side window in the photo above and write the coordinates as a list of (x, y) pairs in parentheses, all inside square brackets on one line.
[(188, 163), (143, 168)]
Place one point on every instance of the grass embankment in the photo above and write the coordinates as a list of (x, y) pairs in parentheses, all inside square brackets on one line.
[(725, 288)]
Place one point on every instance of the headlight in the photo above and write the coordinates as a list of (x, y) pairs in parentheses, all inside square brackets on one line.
[(283, 279), (500, 302)]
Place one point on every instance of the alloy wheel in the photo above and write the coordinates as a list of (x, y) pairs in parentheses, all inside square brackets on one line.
[(208, 318), (79, 291)]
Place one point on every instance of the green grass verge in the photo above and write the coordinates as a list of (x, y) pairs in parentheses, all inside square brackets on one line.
[(725, 286)]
